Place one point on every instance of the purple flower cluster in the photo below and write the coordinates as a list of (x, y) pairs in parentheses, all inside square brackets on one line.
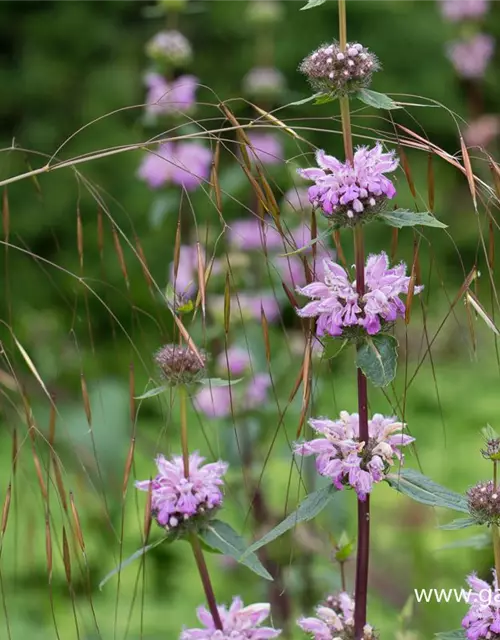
[(220, 402), (483, 617), (456, 10), (347, 192), (177, 500), (471, 57), (169, 97), (238, 622), (334, 620), (343, 457), (338, 306), (186, 164)]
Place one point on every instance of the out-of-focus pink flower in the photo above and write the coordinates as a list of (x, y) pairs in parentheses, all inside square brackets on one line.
[(170, 47), (214, 402), (266, 148), (251, 233), (257, 390), (456, 10), (264, 82), (238, 622), (185, 284), (186, 164), (296, 200), (168, 97), (481, 132), (471, 57), (236, 360), (343, 457), (251, 305)]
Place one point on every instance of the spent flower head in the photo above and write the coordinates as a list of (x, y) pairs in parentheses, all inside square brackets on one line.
[(337, 71), (170, 48), (483, 618), (342, 312), (484, 503), (180, 503), (238, 623), (335, 620), (349, 461), (351, 193), (180, 365)]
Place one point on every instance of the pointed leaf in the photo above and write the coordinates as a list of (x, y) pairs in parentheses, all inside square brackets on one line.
[(305, 100), (313, 3), (478, 542), (221, 536), (458, 634), (308, 509), (424, 490), (139, 553), (219, 382), (377, 357), (333, 347), (459, 523), (324, 234), (376, 99), (325, 98), (403, 218), (156, 391)]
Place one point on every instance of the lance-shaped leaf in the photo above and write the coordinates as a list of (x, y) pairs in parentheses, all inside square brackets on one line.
[(324, 234), (478, 542), (308, 509), (313, 3), (333, 347), (219, 382), (458, 634), (377, 358), (376, 99), (424, 490), (138, 554), (459, 523), (152, 393), (221, 536), (404, 218), (306, 100)]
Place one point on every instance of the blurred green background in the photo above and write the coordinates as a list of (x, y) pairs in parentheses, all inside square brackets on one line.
[(65, 65)]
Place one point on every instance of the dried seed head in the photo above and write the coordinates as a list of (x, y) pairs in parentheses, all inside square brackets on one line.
[(492, 449), (170, 48), (264, 12), (337, 72), (484, 503), (264, 83), (180, 365)]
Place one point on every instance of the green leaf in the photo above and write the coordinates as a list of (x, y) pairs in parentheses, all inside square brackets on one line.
[(305, 100), (424, 490), (219, 382), (458, 634), (139, 553), (156, 391), (377, 357), (333, 347), (459, 523), (313, 3), (308, 509), (403, 218), (221, 536), (345, 548), (477, 542), (376, 99), (324, 234), (325, 98)]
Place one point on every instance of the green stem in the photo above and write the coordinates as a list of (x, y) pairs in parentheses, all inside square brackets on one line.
[(184, 429)]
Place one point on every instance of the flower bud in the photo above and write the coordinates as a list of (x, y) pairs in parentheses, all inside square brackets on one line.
[(264, 12), (170, 48), (337, 72), (492, 449), (263, 83), (484, 503), (180, 365)]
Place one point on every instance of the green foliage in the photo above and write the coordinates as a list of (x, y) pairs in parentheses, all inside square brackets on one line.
[(401, 218), (377, 357), (424, 490), (135, 556), (376, 99)]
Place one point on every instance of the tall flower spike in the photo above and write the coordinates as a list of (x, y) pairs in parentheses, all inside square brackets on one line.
[(339, 72), (180, 365), (348, 461), (334, 620), (348, 194), (483, 617), (342, 312), (178, 503), (238, 622)]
